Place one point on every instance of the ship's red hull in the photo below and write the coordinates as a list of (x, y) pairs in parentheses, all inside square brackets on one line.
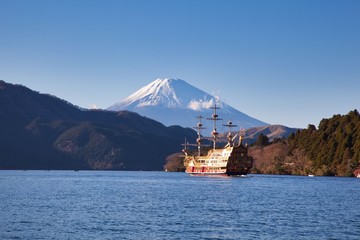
[(209, 171)]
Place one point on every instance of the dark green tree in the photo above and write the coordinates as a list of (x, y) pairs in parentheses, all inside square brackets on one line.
[(262, 140)]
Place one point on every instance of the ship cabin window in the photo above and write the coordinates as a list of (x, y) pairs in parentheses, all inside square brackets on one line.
[(215, 155)]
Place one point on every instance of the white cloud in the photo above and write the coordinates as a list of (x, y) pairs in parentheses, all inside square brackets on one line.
[(198, 105)]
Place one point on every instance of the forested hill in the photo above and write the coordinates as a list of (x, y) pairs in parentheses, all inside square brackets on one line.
[(332, 149), (39, 131)]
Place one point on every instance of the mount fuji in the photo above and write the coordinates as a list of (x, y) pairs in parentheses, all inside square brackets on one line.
[(175, 102)]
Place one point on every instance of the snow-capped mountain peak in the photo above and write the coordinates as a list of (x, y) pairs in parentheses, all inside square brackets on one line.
[(173, 101), (158, 93)]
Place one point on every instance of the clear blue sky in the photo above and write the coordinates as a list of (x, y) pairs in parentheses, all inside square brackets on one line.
[(283, 62)]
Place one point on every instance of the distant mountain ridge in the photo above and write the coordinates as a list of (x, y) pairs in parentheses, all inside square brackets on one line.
[(271, 131), (251, 135), (175, 102)]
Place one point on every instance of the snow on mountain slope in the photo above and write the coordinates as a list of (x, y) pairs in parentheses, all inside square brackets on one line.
[(175, 102), (169, 93)]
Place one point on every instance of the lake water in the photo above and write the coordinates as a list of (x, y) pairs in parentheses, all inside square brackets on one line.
[(160, 205)]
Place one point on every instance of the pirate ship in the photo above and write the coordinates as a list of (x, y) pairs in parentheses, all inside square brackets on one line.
[(232, 159)]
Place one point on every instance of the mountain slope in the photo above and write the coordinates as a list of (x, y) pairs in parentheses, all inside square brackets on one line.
[(175, 102), (271, 131), (26, 104), (39, 131)]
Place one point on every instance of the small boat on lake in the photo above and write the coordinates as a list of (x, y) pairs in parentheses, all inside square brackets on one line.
[(231, 160), (357, 173)]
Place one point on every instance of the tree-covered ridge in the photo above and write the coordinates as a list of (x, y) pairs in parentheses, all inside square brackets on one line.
[(40, 131), (333, 148)]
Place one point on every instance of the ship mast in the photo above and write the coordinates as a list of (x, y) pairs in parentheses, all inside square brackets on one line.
[(199, 127), (214, 118), (185, 144), (230, 137)]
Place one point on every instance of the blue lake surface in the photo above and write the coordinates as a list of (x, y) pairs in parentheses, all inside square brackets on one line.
[(160, 205)]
